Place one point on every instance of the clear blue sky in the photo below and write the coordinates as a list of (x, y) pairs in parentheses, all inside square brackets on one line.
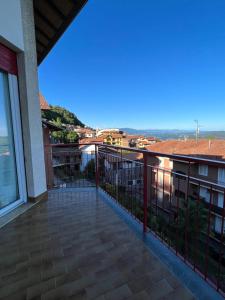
[(141, 64)]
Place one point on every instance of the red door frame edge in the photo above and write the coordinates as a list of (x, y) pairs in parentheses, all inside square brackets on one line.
[(8, 61)]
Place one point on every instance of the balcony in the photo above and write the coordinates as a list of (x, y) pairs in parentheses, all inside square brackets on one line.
[(116, 241)]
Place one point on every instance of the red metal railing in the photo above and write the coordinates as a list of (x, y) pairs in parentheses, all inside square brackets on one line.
[(70, 165), (163, 192)]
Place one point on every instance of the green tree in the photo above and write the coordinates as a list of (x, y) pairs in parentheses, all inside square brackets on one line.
[(72, 137)]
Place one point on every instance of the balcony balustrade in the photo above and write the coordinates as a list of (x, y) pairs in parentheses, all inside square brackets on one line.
[(167, 203)]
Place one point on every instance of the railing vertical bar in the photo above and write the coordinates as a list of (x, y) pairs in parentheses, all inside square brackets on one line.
[(208, 234), (170, 209), (163, 173), (177, 207), (96, 167), (151, 195), (145, 192), (221, 251), (196, 231), (156, 192), (187, 213)]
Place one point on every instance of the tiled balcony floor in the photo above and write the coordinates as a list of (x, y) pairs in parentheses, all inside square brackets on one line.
[(74, 246)]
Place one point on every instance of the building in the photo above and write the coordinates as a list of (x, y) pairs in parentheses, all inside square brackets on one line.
[(126, 172), (107, 131), (34, 28), (144, 142), (112, 138), (85, 132), (172, 172), (140, 141)]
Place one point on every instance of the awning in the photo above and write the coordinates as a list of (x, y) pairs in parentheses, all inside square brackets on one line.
[(51, 18)]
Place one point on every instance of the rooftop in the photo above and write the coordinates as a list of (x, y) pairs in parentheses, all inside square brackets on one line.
[(91, 140), (205, 148), (43, 103)]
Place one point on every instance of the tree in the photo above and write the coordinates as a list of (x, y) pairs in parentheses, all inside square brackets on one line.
[(72, 137)]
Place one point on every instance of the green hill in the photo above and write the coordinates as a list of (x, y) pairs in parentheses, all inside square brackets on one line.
[(59, 115)]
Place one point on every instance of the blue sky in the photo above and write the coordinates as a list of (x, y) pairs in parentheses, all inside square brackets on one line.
[(141, 64)]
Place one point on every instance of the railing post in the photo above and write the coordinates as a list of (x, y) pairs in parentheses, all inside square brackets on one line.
[(145, 192), (96, 167), (49, 166)]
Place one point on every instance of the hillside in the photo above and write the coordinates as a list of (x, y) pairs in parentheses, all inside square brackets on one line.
[(59, 115)]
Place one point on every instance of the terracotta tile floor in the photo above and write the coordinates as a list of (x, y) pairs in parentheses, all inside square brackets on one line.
[(74, 246)]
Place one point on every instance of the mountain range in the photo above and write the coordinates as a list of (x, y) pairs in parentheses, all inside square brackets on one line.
[(165, 134)]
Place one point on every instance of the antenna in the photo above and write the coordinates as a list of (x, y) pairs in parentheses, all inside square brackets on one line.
[(197, 130)]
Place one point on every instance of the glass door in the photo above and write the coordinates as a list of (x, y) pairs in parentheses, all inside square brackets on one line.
[(11, 162)]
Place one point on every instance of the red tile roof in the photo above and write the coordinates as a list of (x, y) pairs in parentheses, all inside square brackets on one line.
[(113, 135), (91, 140), (126, 156), (43, 102), (205, 148)]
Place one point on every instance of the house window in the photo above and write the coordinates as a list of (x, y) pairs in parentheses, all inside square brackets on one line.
[(218, 224), (130, 182), (220, 200), (203, 170), (204, 193), (221, 175)]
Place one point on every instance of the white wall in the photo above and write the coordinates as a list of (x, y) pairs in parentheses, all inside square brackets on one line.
[(11, 33), (87, 153), (18, 33), (30, 107)]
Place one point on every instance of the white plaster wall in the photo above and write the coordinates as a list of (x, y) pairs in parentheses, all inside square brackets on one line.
[(30, 107), (17, 32), (11, 32)]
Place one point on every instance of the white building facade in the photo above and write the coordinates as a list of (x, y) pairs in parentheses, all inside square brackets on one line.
[(28, 31)]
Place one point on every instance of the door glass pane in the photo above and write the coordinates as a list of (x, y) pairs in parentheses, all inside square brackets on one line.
[(8, 174)]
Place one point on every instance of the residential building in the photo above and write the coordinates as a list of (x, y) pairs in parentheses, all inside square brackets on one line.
[(140, 141), (107, 131), (112, 138), (34, 28), (143, 142), (207, 149), (85, 132), (126, 172)]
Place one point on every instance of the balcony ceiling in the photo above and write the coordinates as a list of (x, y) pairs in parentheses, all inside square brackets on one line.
[(52, 17)]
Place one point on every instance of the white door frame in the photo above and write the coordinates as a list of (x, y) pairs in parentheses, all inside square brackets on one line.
[(18, 144)]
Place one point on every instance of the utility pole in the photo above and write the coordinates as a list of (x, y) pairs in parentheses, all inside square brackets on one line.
[(197, 131)]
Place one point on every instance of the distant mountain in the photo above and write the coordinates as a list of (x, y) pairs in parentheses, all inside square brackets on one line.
[(165, 134)]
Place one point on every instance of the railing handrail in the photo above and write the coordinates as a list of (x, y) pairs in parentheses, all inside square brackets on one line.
[(182, 158)]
